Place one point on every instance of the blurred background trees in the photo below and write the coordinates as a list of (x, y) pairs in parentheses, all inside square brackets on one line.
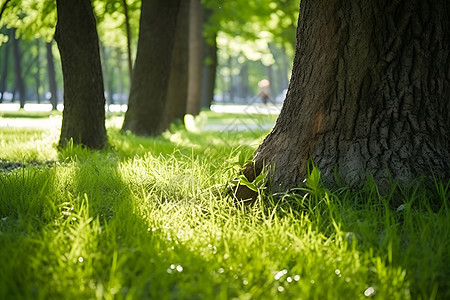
[(243, 41), (232, 46)]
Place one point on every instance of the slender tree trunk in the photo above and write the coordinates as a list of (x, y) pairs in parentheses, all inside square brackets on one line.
[(84, 100), (128, 31), (19, 83), (38, 71), (4, 71), (119, 77), (178, 82), (369, 95), (243, 79), (51, 76), (151, 73), (195, 57), (269, 70), (209, 73), (231, 77), (106, 75), (284, 67), (209, 64)]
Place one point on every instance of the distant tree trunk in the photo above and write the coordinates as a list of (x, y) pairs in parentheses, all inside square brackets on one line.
[(243, 80), (151, 72), (51, 76), (119, 77), (209, 74), (128, 31), (209, 65), (370, 92), (195, 57), (4, 72), (178, 82), (269, 72), (19, 83), (107, 76), (84, 100), (284, 67), (231, 77), (38, 71)]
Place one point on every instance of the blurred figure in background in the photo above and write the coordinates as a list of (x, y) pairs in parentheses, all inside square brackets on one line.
[(264, 90)]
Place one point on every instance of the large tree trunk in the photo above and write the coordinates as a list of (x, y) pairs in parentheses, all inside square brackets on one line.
[(369, 94), (152, 67), (195, 57), (178, 81), (84, 100), (51, 76), (19, 83)]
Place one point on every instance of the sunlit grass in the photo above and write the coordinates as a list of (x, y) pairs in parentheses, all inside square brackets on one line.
[(155, 218)]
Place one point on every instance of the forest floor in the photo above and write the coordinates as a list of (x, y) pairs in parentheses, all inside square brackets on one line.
[(156, 218)]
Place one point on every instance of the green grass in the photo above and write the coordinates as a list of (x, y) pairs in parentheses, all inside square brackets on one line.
[(154, 218), (29, 115)]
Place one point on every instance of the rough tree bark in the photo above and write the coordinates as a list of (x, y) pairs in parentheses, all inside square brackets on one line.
[(195, 57), (369, 93), (152, 67), (51, 76), (178, 82), (84, 100)]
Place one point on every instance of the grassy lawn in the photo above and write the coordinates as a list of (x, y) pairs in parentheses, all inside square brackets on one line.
[(155, 218)]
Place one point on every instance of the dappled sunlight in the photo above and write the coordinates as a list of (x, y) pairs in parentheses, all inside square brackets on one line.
[(35, 145), (162, 210), (45, 123)]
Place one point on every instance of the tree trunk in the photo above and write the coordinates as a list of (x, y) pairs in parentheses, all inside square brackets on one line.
[(209, 65), (209, 75), (19, 83), (120, 77), (38, 71), (284, 67), (51, 76), (128, 31), (178, 82), (151, 72), (4, 71), (195, 57), (231, 77), (243, 81), (84, 100), (107, 75), (369, 95)]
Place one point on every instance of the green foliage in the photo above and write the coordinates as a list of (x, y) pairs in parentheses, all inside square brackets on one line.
[(150, 218), (32, 19), (248, 27), (111, 21)]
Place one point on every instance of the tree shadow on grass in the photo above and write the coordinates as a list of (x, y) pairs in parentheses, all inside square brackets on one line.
[(75, 230)]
